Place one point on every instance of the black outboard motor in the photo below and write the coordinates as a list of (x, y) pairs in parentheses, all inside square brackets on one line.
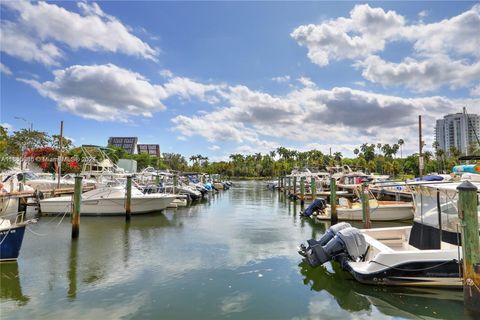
[(349, 241), (316, 206)]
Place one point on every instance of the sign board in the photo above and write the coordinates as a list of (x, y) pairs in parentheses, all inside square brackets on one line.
[(420, 162), (127, 143), (151, 149)]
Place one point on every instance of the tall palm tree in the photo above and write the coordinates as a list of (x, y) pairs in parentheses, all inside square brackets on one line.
[(401, 142)]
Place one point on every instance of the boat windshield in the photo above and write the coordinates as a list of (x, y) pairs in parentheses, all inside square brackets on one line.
[(430, 199)]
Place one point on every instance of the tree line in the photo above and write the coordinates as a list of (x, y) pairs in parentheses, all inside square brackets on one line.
[(369, 157)]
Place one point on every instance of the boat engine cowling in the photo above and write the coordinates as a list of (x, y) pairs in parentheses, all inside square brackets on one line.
[(327, 236), (349, 241), (317, 205)]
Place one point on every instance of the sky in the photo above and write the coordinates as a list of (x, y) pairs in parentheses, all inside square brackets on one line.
[(216, 78)]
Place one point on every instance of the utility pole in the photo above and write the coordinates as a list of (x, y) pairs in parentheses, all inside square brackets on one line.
[(60, 157), (420, 147)]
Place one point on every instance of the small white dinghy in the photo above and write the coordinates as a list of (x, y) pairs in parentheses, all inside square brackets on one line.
[(108, 201)]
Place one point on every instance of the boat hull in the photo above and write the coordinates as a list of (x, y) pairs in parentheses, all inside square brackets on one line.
[(384, 213), (107, 207), (439, 274), (10, 242)]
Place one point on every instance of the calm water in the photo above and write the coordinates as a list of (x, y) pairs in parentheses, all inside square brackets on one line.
[(232, 256)]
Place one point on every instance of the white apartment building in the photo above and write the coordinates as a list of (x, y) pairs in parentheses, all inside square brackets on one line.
[(457, 130)]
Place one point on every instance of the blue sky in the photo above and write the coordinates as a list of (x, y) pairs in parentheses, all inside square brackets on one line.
[(217, 78)]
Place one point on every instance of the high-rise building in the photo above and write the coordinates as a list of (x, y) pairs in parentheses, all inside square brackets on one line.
[(457, 130)]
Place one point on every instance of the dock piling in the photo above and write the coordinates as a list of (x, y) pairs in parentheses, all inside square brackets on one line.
[(295, 187), (302, 191), (128, 200), (467, 212), (175, 182), (333, 201), (313, 188), (289, 185), (77, 199), (365, 206)]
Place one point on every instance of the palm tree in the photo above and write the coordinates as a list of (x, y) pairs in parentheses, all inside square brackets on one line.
[(356, 151), (338, 156), (395, 148), (401, 142)]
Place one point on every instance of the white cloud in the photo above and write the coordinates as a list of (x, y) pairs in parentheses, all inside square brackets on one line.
[(214, 147), (423, 14), (423, 75), (343, 117), (281, 79), (360, 83), (165, 73), (41, 23), (5, 69), (444, 52), (307, 82), (16, 43), (457, 35), (187, 89), (360, 35), (102, 92)]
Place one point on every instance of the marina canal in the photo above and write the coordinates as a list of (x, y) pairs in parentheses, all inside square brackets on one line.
[(234, 256)]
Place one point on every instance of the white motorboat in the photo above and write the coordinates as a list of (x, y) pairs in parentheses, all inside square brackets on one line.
[(426, 254), (379, 211), (109, 201)]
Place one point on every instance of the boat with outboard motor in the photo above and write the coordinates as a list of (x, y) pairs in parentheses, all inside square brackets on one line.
[(426, 254)]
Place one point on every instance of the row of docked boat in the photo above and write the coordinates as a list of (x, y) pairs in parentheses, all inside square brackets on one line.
[(107, 197), (426, 254)]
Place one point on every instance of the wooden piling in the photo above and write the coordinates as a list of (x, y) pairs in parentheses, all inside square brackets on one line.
[(289, 185), (365, 206), (467, 212), (128, 199), (295, 186), (302, 191), (313, 188), (77, 200), (175, 181), (333, 201), (285, 185)]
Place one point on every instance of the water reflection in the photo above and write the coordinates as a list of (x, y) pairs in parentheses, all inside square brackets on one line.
[(10, 286), (232, 255), (393, 301), (72, 271)]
